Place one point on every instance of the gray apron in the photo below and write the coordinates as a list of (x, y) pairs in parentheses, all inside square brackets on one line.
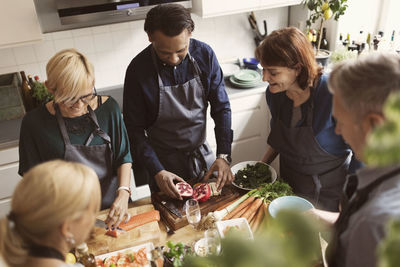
[(352, 201), (311, 171), (98, 157), (178, 136)]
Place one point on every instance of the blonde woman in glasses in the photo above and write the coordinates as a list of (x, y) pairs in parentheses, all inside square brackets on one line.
[(81, 126)]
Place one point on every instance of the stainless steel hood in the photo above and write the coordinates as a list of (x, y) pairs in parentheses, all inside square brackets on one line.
[(59, 15)]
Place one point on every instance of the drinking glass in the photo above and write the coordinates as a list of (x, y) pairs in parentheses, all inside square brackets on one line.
[(213, 242), (193, 213)]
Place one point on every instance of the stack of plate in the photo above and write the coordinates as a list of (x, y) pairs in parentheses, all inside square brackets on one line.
[(245, 78)]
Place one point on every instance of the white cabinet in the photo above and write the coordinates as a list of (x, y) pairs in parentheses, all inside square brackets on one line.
[(8, 177), (19, 24), (212, 8), (250, 124)]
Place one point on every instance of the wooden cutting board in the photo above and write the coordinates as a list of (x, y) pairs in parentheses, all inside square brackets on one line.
[(99, 243), (228, 193)]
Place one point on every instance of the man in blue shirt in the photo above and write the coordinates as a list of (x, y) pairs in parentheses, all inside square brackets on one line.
[(167, 90)]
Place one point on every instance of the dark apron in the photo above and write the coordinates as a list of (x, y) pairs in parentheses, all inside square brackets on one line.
[(178, 136), (352, 202), (312, 172), (98, 157)]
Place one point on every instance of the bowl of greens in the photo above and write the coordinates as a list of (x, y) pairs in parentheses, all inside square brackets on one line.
[(252, 174)]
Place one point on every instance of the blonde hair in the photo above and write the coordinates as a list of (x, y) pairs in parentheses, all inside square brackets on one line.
[(68, 73), (364, 84), (48, 195)]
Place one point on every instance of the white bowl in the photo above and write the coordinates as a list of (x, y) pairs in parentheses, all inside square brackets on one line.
[(241, 165), (289, 203), (241, 223)]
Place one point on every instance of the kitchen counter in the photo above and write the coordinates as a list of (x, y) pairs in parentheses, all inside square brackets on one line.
[(9, 133)]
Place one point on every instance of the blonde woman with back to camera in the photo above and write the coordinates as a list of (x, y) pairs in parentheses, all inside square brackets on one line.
[(80, 126), (50, 214)]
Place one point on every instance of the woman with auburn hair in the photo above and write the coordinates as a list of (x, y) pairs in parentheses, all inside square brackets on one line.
[(313, 159), (80, 126), (50, 214)]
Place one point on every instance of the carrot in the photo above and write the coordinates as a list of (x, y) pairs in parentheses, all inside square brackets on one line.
[(251, 211), (239, 208), (226, 205), (240, 213), (257, 219)]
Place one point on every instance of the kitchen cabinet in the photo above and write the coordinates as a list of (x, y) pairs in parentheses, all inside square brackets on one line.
[(19, 24), (8, 177), (250, 123), (212, 8)]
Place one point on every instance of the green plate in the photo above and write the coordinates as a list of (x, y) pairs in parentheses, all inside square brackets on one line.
[(243, 85), (247, 76)]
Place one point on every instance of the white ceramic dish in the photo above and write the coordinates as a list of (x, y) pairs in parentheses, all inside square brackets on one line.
[(289, 203), (240, 223), (229, 69), (241, 165), (200, 247), (148, 248)]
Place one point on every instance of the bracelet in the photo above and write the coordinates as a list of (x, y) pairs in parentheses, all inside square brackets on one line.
[(126, 188)]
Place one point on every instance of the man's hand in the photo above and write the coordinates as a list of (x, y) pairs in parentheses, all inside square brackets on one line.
[(165, 181), (225, 175)]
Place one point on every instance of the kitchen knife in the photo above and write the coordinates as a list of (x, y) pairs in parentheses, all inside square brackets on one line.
[(172, 208), (102, 224)]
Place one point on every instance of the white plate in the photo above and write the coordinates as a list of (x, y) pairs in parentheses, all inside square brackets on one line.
[(241, 165), (149, 247), (239, 222), (229, 69)]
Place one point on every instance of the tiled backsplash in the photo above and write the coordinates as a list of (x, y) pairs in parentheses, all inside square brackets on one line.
[(111, 47)]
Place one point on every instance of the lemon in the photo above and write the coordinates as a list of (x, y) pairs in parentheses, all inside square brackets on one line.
[(328, 14), (70, 258), (325, 6), (310, 36)]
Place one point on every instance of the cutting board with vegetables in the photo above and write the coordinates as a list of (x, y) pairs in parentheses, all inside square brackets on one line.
[(228, 194), (100, 243)]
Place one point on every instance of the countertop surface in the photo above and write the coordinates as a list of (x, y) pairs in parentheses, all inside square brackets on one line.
[(9, 130)]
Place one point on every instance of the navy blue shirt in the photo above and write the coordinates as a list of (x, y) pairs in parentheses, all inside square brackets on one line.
[(141, 99), (323, 123)]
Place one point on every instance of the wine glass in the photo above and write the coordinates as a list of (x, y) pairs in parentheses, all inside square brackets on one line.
[(193, 213), (213, 242)]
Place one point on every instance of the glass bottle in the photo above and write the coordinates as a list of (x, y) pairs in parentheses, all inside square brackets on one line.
[(26, 93), (84, 257), (324, 41)]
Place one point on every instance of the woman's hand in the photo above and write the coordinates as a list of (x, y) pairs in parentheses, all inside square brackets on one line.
[(119, 210)]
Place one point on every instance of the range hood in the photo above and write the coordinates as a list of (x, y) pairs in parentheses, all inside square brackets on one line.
[(58, 15)]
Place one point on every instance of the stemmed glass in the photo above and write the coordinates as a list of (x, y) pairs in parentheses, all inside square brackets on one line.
[(213, 242), (193, 213)]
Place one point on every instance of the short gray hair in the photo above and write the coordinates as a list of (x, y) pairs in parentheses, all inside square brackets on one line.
[(365, 83)]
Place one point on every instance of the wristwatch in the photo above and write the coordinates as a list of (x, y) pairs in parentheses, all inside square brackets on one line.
[(225, 157)]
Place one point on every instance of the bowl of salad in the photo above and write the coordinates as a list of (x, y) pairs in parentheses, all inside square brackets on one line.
[(252, 174)]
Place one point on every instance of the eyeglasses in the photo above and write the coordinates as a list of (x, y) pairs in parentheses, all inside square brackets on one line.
[(85, 98)]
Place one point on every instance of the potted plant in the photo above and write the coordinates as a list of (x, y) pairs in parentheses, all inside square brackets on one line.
[(323, 10)]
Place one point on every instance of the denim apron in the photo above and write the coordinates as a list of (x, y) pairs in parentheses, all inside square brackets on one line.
[(312, 172), (98, 157), (178, 136)]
